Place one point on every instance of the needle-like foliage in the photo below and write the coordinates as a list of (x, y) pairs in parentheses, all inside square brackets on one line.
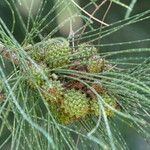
[(76, 92)]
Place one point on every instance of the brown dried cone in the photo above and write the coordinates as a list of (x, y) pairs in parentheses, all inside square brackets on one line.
[(95, 64), (75, 104), (95, 107)]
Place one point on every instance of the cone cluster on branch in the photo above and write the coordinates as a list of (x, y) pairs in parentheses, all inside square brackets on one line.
[(69, 100)]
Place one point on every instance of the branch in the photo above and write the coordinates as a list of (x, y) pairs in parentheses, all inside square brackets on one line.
[(89, 14), (9, 55)]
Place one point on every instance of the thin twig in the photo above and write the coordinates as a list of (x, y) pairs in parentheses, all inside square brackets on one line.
[(89, 14), (93, 13), (107, 10)]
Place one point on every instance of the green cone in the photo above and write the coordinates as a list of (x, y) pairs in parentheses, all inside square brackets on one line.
[(84, 52), (53, 94), (37, 77), (58, 55), (95, 65), (75, 104), (60, 116), (94, 105)]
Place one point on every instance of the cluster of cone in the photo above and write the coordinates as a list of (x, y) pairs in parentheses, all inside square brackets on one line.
[(70, 100)]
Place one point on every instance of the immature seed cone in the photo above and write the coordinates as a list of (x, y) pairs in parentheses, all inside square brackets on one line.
[(95, 65), (112, 102), (66, 119), (95, 108), (38, 54), (84, 52), (53, 94), (75, 104), (58, 55), (60, 116), (36, 75)]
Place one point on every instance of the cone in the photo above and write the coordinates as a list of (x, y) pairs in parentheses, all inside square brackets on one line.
[(53, 94), (75, 104), (58, 55), (84, 52), (95, 65), (60, 116), (37, 77), (38, 54), (95, 108)]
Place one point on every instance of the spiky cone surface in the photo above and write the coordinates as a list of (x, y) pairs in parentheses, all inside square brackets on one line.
[(37, 77), (95, 65), (60, 116), (53, 93), (95, 107), (65, 118), (84, 52), (38, 54), (112, 102), (75, 104), (58, 55)]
